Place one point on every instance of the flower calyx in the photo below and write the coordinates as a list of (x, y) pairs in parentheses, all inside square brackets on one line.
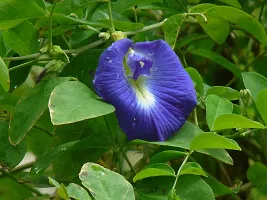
[(118, 35)]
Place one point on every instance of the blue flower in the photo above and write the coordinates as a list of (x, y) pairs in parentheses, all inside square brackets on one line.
[(146, 83)]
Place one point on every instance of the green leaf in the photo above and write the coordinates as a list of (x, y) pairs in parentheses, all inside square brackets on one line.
[(60, 19), (4, 75), (11, 189), (224, 92), (62, 192), (216, 106), (165, 156), (45, 161), (38, 142), (24, 116), (105, 184), (218, 59), (201, 7), (73, 101), (233, 3), (238, 110), (193, 168), (18, 11), (3, 49), (240, 18), (213, 141), (54, 182), (190, 38), (195, 76), (68, 6), (94, 139), (122, 5), (172, 195), (171, 28), (124, 26), (154, 188), (77, 192), (10, 156), (183, 138), (257, 174), (219, 154), (261, 103), (191, 187), (254, 82), (22, 38), (80, 64), (216, 27), (229, 121), (159, 169), (217, 187)]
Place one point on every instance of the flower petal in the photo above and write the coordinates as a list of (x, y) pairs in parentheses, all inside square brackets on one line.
[(154, 106)]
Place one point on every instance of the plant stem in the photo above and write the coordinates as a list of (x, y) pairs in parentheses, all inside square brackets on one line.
[(24, 185), (195, 117), (147, 28), (236, 135), (128, 161), (31, 56), (198, 14), (110, 16), (81, 49), (180, 169), (87, 27), (135, 14), (225, 173), (22, 65), (50, 44), (66, 41), (69, 51), (26, 64)]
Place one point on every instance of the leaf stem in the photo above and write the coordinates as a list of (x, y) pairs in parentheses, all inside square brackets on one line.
[(22, 65), (147, 28), (198, 14), (227, 177), (31, 56), (195, 116), (50, 44), (110, 16), (24, 185), (180, 169), (135, 14), (26, 64), (238, 134), (66, 41), (87, 27), (82, 49)]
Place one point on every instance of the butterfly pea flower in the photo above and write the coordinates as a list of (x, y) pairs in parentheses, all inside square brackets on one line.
[(152, 93)]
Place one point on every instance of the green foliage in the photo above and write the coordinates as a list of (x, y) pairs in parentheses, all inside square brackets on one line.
[(4, 76), (23, 38), (50, 112), (100, 182), (73, 101), (159, 169)]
